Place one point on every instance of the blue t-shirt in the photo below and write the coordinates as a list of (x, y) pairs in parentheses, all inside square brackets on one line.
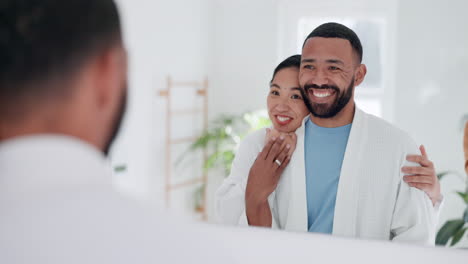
[(324, 152)]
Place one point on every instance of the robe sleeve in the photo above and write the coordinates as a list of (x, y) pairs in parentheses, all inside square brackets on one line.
[(230, 196), (438, 207), (414, 218)]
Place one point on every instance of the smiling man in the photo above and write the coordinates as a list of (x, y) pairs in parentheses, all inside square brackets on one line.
[(354, 182)]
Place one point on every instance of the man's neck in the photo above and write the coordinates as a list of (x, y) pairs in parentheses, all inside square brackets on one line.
[(32, 127), (344, 117)]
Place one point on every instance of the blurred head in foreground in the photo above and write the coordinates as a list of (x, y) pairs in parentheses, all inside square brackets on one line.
[(63, 69)]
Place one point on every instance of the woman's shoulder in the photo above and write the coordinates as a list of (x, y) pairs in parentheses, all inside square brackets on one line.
[(257, 135), (255, 139)]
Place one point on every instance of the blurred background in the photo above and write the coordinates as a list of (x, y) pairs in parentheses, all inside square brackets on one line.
[(205, 65)]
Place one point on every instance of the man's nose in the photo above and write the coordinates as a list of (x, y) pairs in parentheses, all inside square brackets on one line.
[(320, 78)]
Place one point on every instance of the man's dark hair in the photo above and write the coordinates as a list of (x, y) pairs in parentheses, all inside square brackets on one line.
[(336, 30), (291, 62), (46, 41)]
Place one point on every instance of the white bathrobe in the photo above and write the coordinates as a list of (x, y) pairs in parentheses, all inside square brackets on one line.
[(372, 202), (58, 205)]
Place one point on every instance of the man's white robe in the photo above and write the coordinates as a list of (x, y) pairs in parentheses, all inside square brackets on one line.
[(373, 201), (58, 205)]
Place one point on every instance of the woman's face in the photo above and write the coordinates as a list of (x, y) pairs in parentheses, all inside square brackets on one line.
[(285, 104)]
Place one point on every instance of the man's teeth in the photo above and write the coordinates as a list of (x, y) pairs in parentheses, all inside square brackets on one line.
[(283, 119), (321, 94)]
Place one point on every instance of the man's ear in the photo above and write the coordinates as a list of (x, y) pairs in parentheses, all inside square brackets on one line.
[(108, 75), (360, 74)]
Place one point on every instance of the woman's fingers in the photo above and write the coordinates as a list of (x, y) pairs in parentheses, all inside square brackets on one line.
[(281, 168), (281, 158), (266, 149), (423, 151), (421, 186), (420, 159), (419, 179), (275, 149), (417, 170)]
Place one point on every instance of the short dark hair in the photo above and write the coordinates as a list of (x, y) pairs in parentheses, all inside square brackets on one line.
[(293, 61), (48, 40), (336, 30)]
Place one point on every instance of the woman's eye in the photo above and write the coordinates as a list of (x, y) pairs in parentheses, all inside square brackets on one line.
[(334, 68), (296, 96), (274, 93)]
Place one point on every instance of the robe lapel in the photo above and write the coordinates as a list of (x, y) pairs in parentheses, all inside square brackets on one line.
[(344, 222), (297, 209)]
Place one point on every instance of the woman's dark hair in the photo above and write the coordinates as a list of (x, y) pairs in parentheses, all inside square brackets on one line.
[(291, 62)]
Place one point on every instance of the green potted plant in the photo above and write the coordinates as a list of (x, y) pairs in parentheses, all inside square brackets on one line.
[(221, 141), (454, 230), (224, 135)]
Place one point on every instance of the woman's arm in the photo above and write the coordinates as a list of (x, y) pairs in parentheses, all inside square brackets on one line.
[(230, 196), (253, 178), (263, 180)]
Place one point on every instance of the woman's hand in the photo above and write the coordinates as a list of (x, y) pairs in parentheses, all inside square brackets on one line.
[(289, 138), (424, 177), (263, 179)]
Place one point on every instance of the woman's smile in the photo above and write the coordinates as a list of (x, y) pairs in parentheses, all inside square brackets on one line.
[(283, 120)]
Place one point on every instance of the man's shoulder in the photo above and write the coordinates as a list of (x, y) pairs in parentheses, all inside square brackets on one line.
[(380, 128), (384, 126)]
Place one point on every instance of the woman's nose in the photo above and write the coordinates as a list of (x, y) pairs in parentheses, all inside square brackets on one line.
[(282, 106)]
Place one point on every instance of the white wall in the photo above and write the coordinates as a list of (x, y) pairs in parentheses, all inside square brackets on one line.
[(162, 37), (432, 84), (244, 54)]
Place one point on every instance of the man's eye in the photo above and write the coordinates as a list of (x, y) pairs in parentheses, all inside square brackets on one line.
[(296, 96), (309, 67)]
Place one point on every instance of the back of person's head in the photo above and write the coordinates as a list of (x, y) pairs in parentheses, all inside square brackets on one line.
[(336, 30), (62, 66), (293, 61)]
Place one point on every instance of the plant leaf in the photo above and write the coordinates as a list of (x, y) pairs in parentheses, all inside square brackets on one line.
[(465, 214), (448, 230), (458, 236), (120, 168), (464, 196), (441, 175), (211, 161)]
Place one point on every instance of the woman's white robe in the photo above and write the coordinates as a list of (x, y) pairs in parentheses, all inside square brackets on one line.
[(372, 202)]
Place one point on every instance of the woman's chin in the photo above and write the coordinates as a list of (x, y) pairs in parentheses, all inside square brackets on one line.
[(286, 128)]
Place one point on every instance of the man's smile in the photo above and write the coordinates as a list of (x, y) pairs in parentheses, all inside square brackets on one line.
[(321, 95)]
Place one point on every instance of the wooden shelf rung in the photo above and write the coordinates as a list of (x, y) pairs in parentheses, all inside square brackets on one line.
[(185, 183), (186, 112), (185, 84), (183, 140)]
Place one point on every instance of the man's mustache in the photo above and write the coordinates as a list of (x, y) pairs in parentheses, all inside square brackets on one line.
[(325, 86)]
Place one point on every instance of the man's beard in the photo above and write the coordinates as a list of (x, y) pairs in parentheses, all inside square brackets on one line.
[(324, 111), (117, 123)]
